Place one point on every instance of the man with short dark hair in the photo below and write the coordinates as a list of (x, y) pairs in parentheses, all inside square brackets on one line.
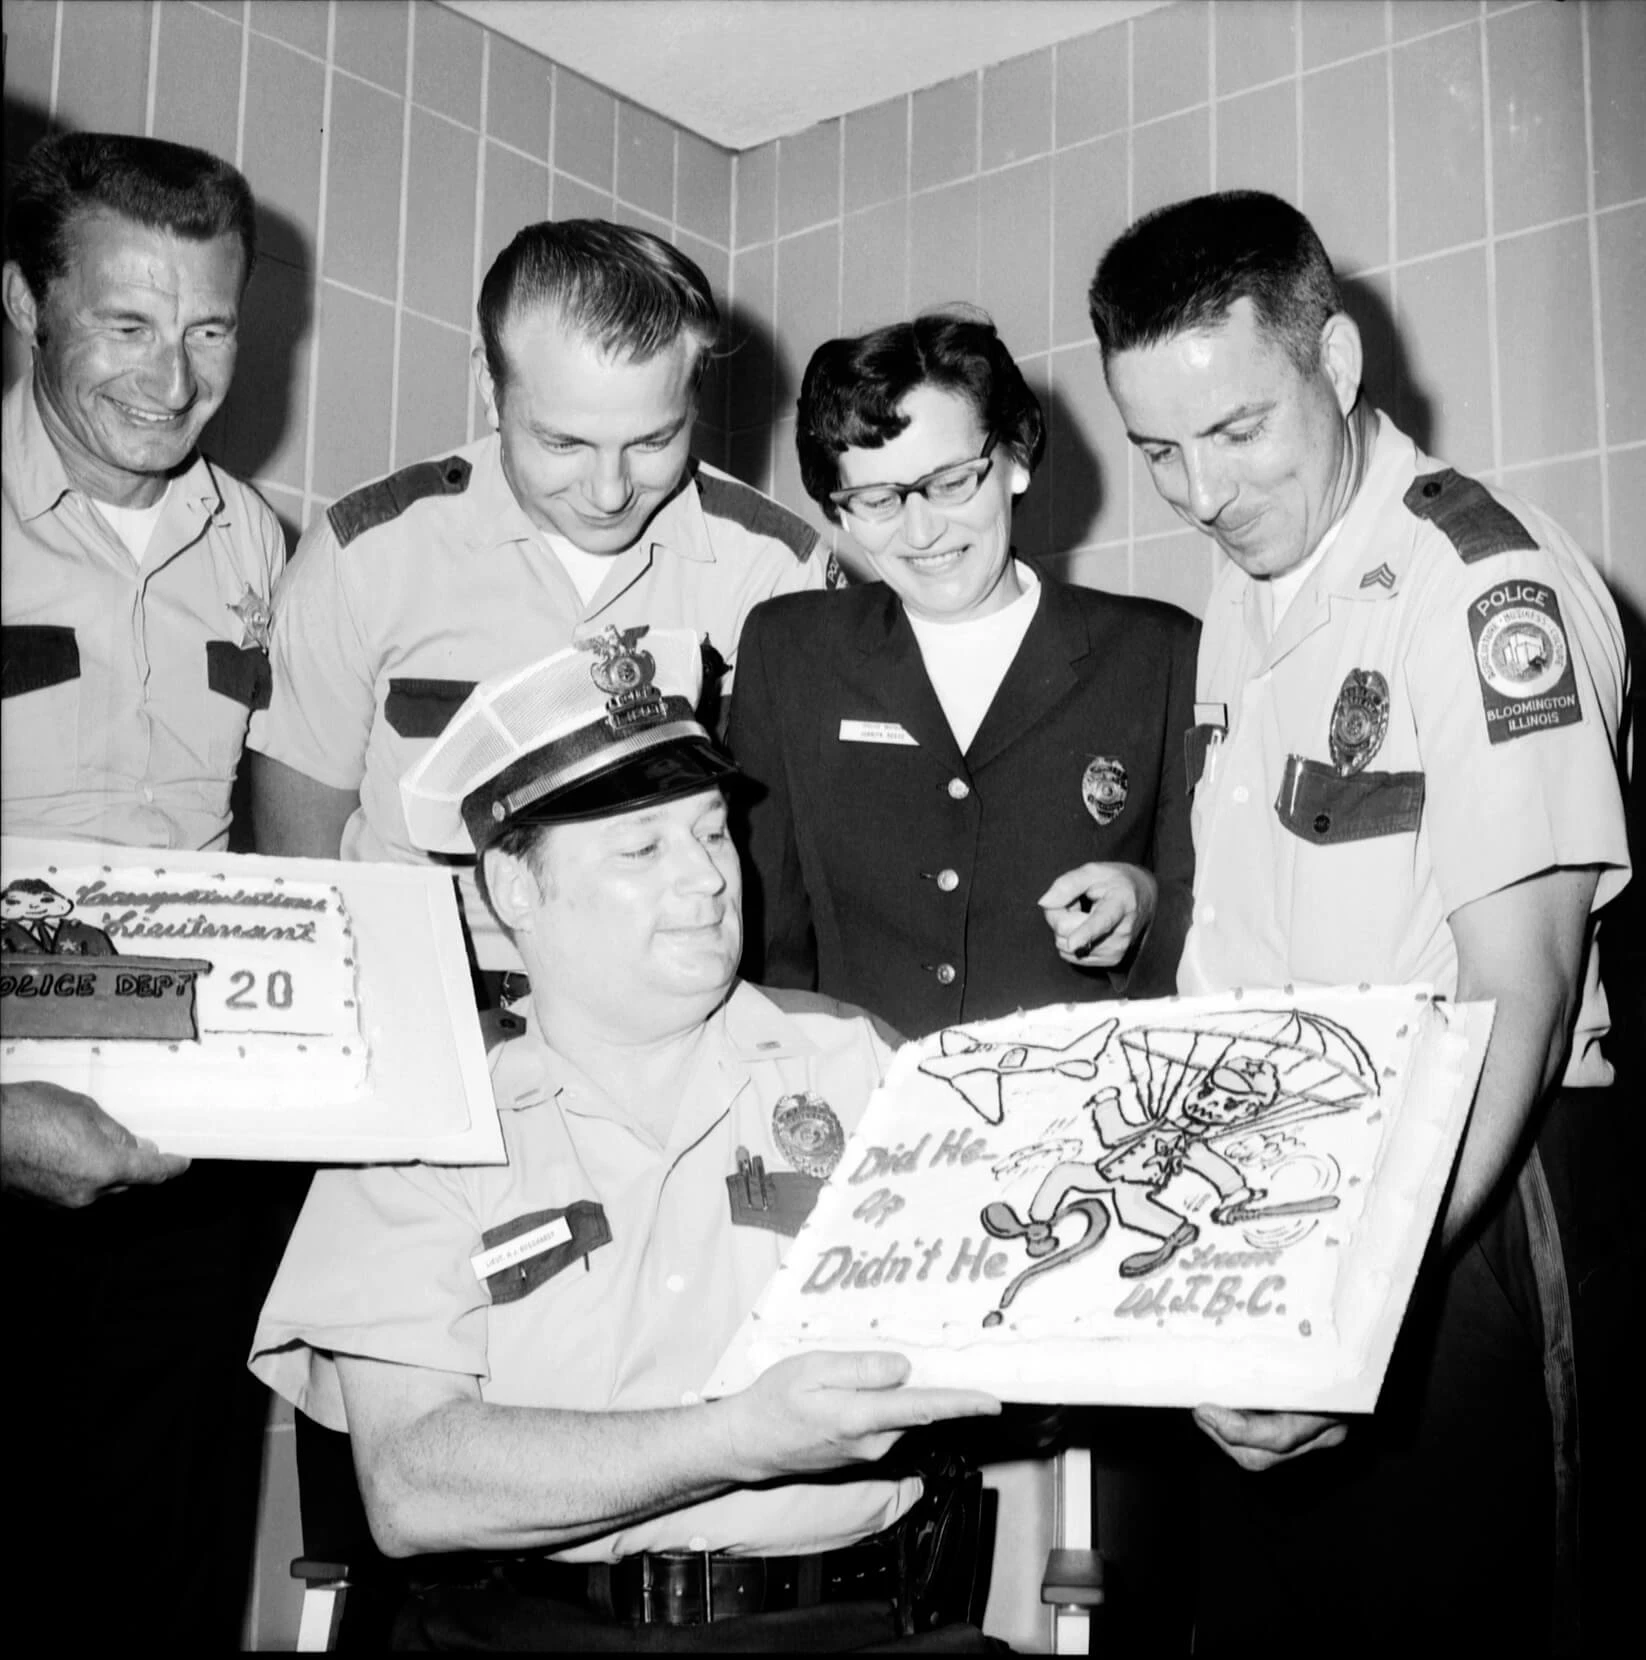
[(137, 583), (581, 509), (1409, 696), (517, 1352)]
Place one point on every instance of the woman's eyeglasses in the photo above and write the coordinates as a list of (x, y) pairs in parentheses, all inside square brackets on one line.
[(947, 487)]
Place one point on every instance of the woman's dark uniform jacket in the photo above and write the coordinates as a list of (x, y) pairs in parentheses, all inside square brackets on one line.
[(904, 878)]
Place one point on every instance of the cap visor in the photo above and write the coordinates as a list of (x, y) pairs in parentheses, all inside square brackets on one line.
[(682, 767)]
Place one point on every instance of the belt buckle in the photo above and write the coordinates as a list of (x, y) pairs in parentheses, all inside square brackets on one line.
[(649, 1585)]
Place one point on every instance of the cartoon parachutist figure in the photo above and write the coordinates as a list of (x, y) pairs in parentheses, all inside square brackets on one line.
[(1137, 1161)]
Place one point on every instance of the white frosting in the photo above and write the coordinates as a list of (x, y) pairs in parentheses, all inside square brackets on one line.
[(1303, 1217), (278, 1009)]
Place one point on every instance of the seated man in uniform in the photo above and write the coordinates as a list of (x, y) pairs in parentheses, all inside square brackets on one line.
[(580, 509), (517, 1351)]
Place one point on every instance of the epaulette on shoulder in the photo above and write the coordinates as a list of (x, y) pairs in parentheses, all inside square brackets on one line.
[(1470, 517), (729, 498), (387, 498)]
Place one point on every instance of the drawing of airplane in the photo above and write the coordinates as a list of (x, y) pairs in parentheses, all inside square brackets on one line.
[(978, 1070)]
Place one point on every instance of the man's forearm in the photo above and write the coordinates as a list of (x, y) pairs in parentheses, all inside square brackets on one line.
[(469, 1475), (1522, 947), (294, 815)]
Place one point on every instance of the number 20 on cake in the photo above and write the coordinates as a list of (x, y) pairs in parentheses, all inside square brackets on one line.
[(1159, 1203)]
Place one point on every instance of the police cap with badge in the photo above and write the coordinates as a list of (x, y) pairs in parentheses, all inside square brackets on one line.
[(606, 726)]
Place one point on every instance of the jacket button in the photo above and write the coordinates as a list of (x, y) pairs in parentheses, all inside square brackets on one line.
[(947, 881), (945, 974), (1323, 823), (959, 789)]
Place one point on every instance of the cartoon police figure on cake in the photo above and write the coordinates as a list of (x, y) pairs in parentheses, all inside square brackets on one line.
[(34, 917)]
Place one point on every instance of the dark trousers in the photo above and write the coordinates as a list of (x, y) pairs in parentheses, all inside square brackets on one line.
[(1435, 1524), (497, 1619), (134, 1435)]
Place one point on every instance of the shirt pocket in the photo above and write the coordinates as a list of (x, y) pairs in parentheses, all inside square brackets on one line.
[(1322, 807), (239, 672), (424, 708), (39, 701), (1358, 911)]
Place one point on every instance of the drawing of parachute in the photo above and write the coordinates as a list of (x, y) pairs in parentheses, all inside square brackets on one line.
[(1322, 1066)]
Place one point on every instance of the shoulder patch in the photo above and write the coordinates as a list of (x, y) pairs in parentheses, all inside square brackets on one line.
[(386, 499), (1527, 681), (1470, 517), (729, 498)]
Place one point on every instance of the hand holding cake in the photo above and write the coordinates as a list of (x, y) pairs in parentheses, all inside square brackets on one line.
[(821, 1410)]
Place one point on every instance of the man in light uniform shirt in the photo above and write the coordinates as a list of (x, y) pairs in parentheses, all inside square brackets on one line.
[(1409, 697), (135, 605), (516, 1352), (581, 509)]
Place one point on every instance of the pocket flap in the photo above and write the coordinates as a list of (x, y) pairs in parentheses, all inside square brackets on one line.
[(424, 708), (550, 1240), (240, 672), (34, 656), (1320, 805)]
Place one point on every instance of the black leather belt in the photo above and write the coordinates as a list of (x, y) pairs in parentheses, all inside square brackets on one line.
[(698, 1587)]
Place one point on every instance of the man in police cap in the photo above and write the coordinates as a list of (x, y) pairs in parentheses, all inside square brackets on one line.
[(582, 508), (516, 1352), (1407, 771)]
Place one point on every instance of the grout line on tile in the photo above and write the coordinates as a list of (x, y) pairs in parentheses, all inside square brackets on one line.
[(153, 72), (1211, 97), (400, 239), (1493, 343), (840, 237), (1297, 104), (56, 63), (309, 495), (908, 201), (1392, 225), (478, 250), (240, 107), (1597, 341)]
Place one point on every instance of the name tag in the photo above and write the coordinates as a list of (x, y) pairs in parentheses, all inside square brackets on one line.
[(545, 1238), (875, 732), (1212, 714)]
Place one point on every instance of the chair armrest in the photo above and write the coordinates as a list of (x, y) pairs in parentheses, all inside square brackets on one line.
[(318, 1574), (1073, 1579)]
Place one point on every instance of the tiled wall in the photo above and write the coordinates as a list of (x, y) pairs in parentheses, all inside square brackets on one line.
[(394, 149), (1479, 169), (1478, 166)]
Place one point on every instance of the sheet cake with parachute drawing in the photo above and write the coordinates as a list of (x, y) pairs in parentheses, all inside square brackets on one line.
[(1220, 1199)]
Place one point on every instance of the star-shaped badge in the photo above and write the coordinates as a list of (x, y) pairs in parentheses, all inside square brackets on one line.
[(255, 617)]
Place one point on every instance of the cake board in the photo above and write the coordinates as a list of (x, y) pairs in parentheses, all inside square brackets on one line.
[(427, 1091)]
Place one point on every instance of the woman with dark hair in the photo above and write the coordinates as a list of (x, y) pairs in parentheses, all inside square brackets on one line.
[(967, 787)]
